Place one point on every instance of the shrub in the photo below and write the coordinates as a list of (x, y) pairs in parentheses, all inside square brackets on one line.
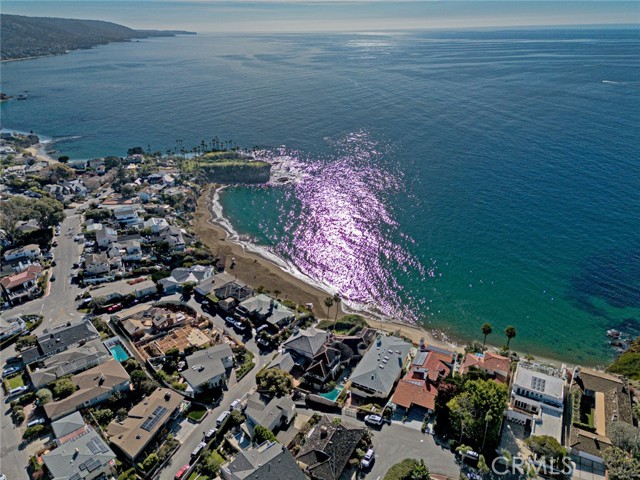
[(44, 396), (401, 470), (63, 388), (150, 462), (128, 475), (275, 381), (33, 432), (262, 434), (103, 416)]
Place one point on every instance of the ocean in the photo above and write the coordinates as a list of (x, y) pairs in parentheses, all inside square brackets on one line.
[(445, 178)]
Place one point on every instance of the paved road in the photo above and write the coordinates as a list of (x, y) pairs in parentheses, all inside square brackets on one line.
[(57, 308), (244, 386)]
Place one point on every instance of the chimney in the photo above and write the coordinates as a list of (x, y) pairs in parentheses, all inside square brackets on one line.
[(101, 381), (323, 432)]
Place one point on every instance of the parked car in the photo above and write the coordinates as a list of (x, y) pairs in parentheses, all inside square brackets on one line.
[(229, 320), (16, 359), (373, 420), (368, 458), (37, 421), (220, 420), (55, 243), (235, 404), (54, 263), (196, 451), (240, 326), (181, 473), (114, 308), (18, 390), (209, 435), (262, 328), (53, 278), (11, 370)]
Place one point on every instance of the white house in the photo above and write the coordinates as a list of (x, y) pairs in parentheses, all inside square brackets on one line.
[(127, 215), (28, 251), (96, 264), (207, 368), (156, 224), (537, 399), (106, 236)]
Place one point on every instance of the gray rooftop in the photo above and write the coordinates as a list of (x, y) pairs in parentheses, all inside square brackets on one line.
[(60, 338), (70, 361), (308, 341), (205, 365), (67, 425), (263, 413), (381, 365), (269, 461), (79, 458), (122, 288)]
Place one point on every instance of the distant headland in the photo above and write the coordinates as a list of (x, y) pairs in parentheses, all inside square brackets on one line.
[(27, 37)]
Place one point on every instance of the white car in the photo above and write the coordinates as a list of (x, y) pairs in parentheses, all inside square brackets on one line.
[(18, 390), (10, 370), (37, 421), (373, 419), (368, 458), (235, 404)]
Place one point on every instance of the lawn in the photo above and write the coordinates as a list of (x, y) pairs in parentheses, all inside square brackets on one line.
[(194, 475), (196, 413), (15, 382), (591, 418)]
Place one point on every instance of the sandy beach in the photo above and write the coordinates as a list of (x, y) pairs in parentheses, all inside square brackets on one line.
[(256, 270)]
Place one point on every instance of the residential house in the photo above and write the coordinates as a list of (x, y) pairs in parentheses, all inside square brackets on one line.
[(495, 365), (28, 226), (266, 309), (226, 288), (68, 362), (11, 327), (380, 368), (143, 423), (80, 455), (272, 413), (97, 264), (94, 386), (173, 236), (59, 339), (164, 319), (283, 362), (324, 366), (127, 215), (328, 448), (94, 227), (537, 400), (603, 399), (127, 250), (106, 236), (419, 387), (156, 224), (136, 328), (30, 251), (75, 187), (268, 461), (305, 344), (179, 276), (23, 285), (207, 368), (65, 426), (123, 288)]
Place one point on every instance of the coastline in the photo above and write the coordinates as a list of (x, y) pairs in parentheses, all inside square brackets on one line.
[(255, 269)]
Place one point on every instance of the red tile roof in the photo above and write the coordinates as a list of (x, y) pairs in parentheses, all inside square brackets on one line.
[(415, 392), (490, 362), (31, 273)]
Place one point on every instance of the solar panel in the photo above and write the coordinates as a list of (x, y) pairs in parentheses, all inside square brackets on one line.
[(538, 384), (93, 464), (420, 358), (159, 411)]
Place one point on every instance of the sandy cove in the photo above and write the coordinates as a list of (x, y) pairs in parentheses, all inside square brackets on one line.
[(255, 270)]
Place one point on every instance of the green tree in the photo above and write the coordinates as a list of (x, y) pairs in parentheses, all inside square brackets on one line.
[(210, 465), (420, 472), (625, 436), (150, 462), (546, 446), (103, 416), (262, 434), (63, 388), (26, 341), (44, 396), (336, 300), (510, 332), (137, 377), (55, 172), (486, 331), (328, 302), (187, 288), (477, 409), (275, 381), (620, 464)]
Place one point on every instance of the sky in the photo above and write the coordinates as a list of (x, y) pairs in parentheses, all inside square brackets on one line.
[(209, 16)]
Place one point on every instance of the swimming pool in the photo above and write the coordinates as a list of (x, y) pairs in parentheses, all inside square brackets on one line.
[(118, 352), (333, 394)]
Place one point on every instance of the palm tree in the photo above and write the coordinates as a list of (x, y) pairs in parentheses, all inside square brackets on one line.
[(510, 332), (336, 300), (277, 292), (328, 303), (488, 418), (486, 330)]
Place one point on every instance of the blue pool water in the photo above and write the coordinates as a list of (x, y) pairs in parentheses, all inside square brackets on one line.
[(333, 394), (119, 353)]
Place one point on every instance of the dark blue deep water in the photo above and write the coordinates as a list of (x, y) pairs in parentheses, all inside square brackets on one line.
[(446, 178)]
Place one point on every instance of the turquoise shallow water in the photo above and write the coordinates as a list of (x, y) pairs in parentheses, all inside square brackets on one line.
[(445, 178)]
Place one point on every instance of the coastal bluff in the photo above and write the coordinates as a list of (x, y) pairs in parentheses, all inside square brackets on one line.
[(227, 167), (27, 37)]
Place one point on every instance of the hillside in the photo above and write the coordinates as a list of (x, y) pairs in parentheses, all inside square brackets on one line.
[(628, 364), (22, 37)]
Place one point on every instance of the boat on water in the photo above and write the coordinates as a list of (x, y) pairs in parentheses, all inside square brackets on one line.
[(23, 97), (612, 333)]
